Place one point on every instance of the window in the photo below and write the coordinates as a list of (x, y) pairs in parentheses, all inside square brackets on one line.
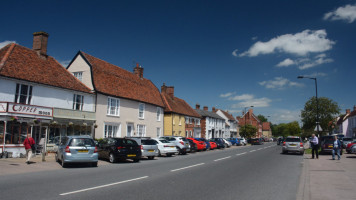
[(23, 94), (197, 121), (158, 132), (186, 120), (141, 111), (78, 102), (159, 113), (113, 107), (141, 130), (78, 75), (110, 131), (180, 121)]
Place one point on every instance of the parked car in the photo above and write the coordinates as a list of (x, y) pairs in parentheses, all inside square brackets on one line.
[(255, 141), (149, 147), (165, 147), (293, 144), (219, 142), (201, 146), (181, 143), (115, 149), (242, 141), (280, 140), (213, 145), (206, 142), (353, 148), (346, 141), (76, 149), (326, 144), (234, 141), (348, 146), (228, 144), (193, 147)]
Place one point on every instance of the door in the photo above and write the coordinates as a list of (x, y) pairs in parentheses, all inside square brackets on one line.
[(129, 130)]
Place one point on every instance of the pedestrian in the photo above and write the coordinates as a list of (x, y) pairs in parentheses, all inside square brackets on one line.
[(315, 146), (336, 148), (29, 144)]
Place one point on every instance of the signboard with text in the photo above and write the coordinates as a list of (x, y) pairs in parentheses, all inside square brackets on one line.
[(27, 109)]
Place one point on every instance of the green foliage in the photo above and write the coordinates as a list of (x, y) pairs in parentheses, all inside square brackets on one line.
[(328, 110), (262, 118), (248, 131), (285, 130)]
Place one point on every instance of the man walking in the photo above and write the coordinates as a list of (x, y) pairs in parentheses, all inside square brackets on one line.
[(315, 146), (28, 143), (336, 148)]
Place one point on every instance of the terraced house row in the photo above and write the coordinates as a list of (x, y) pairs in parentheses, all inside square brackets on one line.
[(38, 96)]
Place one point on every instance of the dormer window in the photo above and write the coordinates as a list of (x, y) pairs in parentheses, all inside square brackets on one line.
[(78, 75)]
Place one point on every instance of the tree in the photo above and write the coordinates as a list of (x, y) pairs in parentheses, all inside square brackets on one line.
[(248, 131), (262, 118), (285, 130), (328, 110)]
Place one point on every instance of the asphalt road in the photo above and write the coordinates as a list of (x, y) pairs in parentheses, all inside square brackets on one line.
[(253, 172)]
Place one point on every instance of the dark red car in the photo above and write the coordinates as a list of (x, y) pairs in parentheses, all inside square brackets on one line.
[(200, 144)]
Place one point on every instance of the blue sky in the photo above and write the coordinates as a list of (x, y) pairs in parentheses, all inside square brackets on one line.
[(227, 54)]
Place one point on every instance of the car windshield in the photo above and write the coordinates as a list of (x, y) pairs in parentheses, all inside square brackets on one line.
[(164, 141), (82, 142), (149, 142), (184, 139), (292, 140)]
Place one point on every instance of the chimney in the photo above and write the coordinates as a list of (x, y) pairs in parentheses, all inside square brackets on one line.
[(214, 109), (347, 111), (170, 91), (205, 108), (164, 88), (354, 108), (197, 106), (40, 43), (138, 70)]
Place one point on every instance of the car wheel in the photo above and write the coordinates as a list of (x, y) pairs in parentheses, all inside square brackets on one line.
[(112, 158), (348, 152), (64, 165), (301, 153), (159, 153), (151, 157), (136, 160), (169, 155), (95, 164)]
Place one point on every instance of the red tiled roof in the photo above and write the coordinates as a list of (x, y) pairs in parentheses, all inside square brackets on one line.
[(112, 80), (22, 63), (228, 115), (266, 126), (179, 106)]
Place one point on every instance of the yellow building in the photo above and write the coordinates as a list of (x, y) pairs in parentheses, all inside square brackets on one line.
[(174, 124)]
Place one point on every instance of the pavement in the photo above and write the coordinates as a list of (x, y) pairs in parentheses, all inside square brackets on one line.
[(324, 178)]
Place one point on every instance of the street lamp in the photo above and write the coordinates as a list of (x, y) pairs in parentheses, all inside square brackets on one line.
[(245, 115), (317, 102)]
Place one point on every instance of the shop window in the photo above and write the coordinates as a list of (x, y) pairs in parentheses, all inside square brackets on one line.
[(2, 126), (23, 94), (16, 132)]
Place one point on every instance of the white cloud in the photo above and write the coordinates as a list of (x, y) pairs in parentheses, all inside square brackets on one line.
[(2, 44), (318, 60), (346, 13), (254, 38), (234, 53), (255, 102), (241, 97), (285, 116), (299, 44), (317, 74), (65, 63), (285, 63), (279, 83), (227, 94)]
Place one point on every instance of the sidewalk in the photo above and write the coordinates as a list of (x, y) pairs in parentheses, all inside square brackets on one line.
[(324, 178)]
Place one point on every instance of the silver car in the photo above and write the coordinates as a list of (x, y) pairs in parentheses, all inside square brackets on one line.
[(76, 149), (293, 144), (149, 148), (228, 144), (181, 143)]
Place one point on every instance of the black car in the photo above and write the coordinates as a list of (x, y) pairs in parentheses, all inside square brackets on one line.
[(255, 141), (193, 146), (326, 144), (116, 149), (219, 142)]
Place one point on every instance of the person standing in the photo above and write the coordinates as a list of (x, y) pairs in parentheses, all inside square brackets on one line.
[(28, 143), (315, 146), (336, 148)]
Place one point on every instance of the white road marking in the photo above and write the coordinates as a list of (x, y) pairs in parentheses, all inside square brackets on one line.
[(222, 158), (107, 185), (259, 149), (187, 167), (253, 151), (241, 154)]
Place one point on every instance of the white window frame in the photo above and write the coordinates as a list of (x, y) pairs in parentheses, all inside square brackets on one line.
[(113, 133), (116, 108), (180, 120), (75, 103), (141, 112), (139, 126), (159, 132), (158, 114), (78, 75), (28, 94)]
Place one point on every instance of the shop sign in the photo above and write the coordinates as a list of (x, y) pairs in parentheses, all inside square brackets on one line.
[(29, 109), (3, 107)]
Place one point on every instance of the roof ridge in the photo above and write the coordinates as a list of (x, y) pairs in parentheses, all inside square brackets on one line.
[(9, 51), (165, 100)]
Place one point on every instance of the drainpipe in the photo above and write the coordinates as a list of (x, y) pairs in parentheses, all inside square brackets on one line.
[(3, 146)]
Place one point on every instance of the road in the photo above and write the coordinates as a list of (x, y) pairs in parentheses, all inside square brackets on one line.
[(252, 172)]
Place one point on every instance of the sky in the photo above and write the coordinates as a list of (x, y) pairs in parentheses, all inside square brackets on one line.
[(224, 54)]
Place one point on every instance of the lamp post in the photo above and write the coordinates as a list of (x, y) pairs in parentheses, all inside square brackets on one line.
[(317, 102), (245, 116)]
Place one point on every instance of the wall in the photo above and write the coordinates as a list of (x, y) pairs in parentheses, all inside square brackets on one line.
[(79, 65), (178, 126)]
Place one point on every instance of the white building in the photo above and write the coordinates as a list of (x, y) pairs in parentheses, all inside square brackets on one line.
[(212, 125), (231, 124), (39, 97), (127, 104)]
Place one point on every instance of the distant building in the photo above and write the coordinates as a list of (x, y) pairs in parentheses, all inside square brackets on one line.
[(231, 125), (266, 130), (251, 119), (212, 125)]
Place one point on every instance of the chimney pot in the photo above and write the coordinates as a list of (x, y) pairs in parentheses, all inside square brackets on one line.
[(214, 109), (40, 40), (205, 108), (138, 70), (347, 111), (197, 106)]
